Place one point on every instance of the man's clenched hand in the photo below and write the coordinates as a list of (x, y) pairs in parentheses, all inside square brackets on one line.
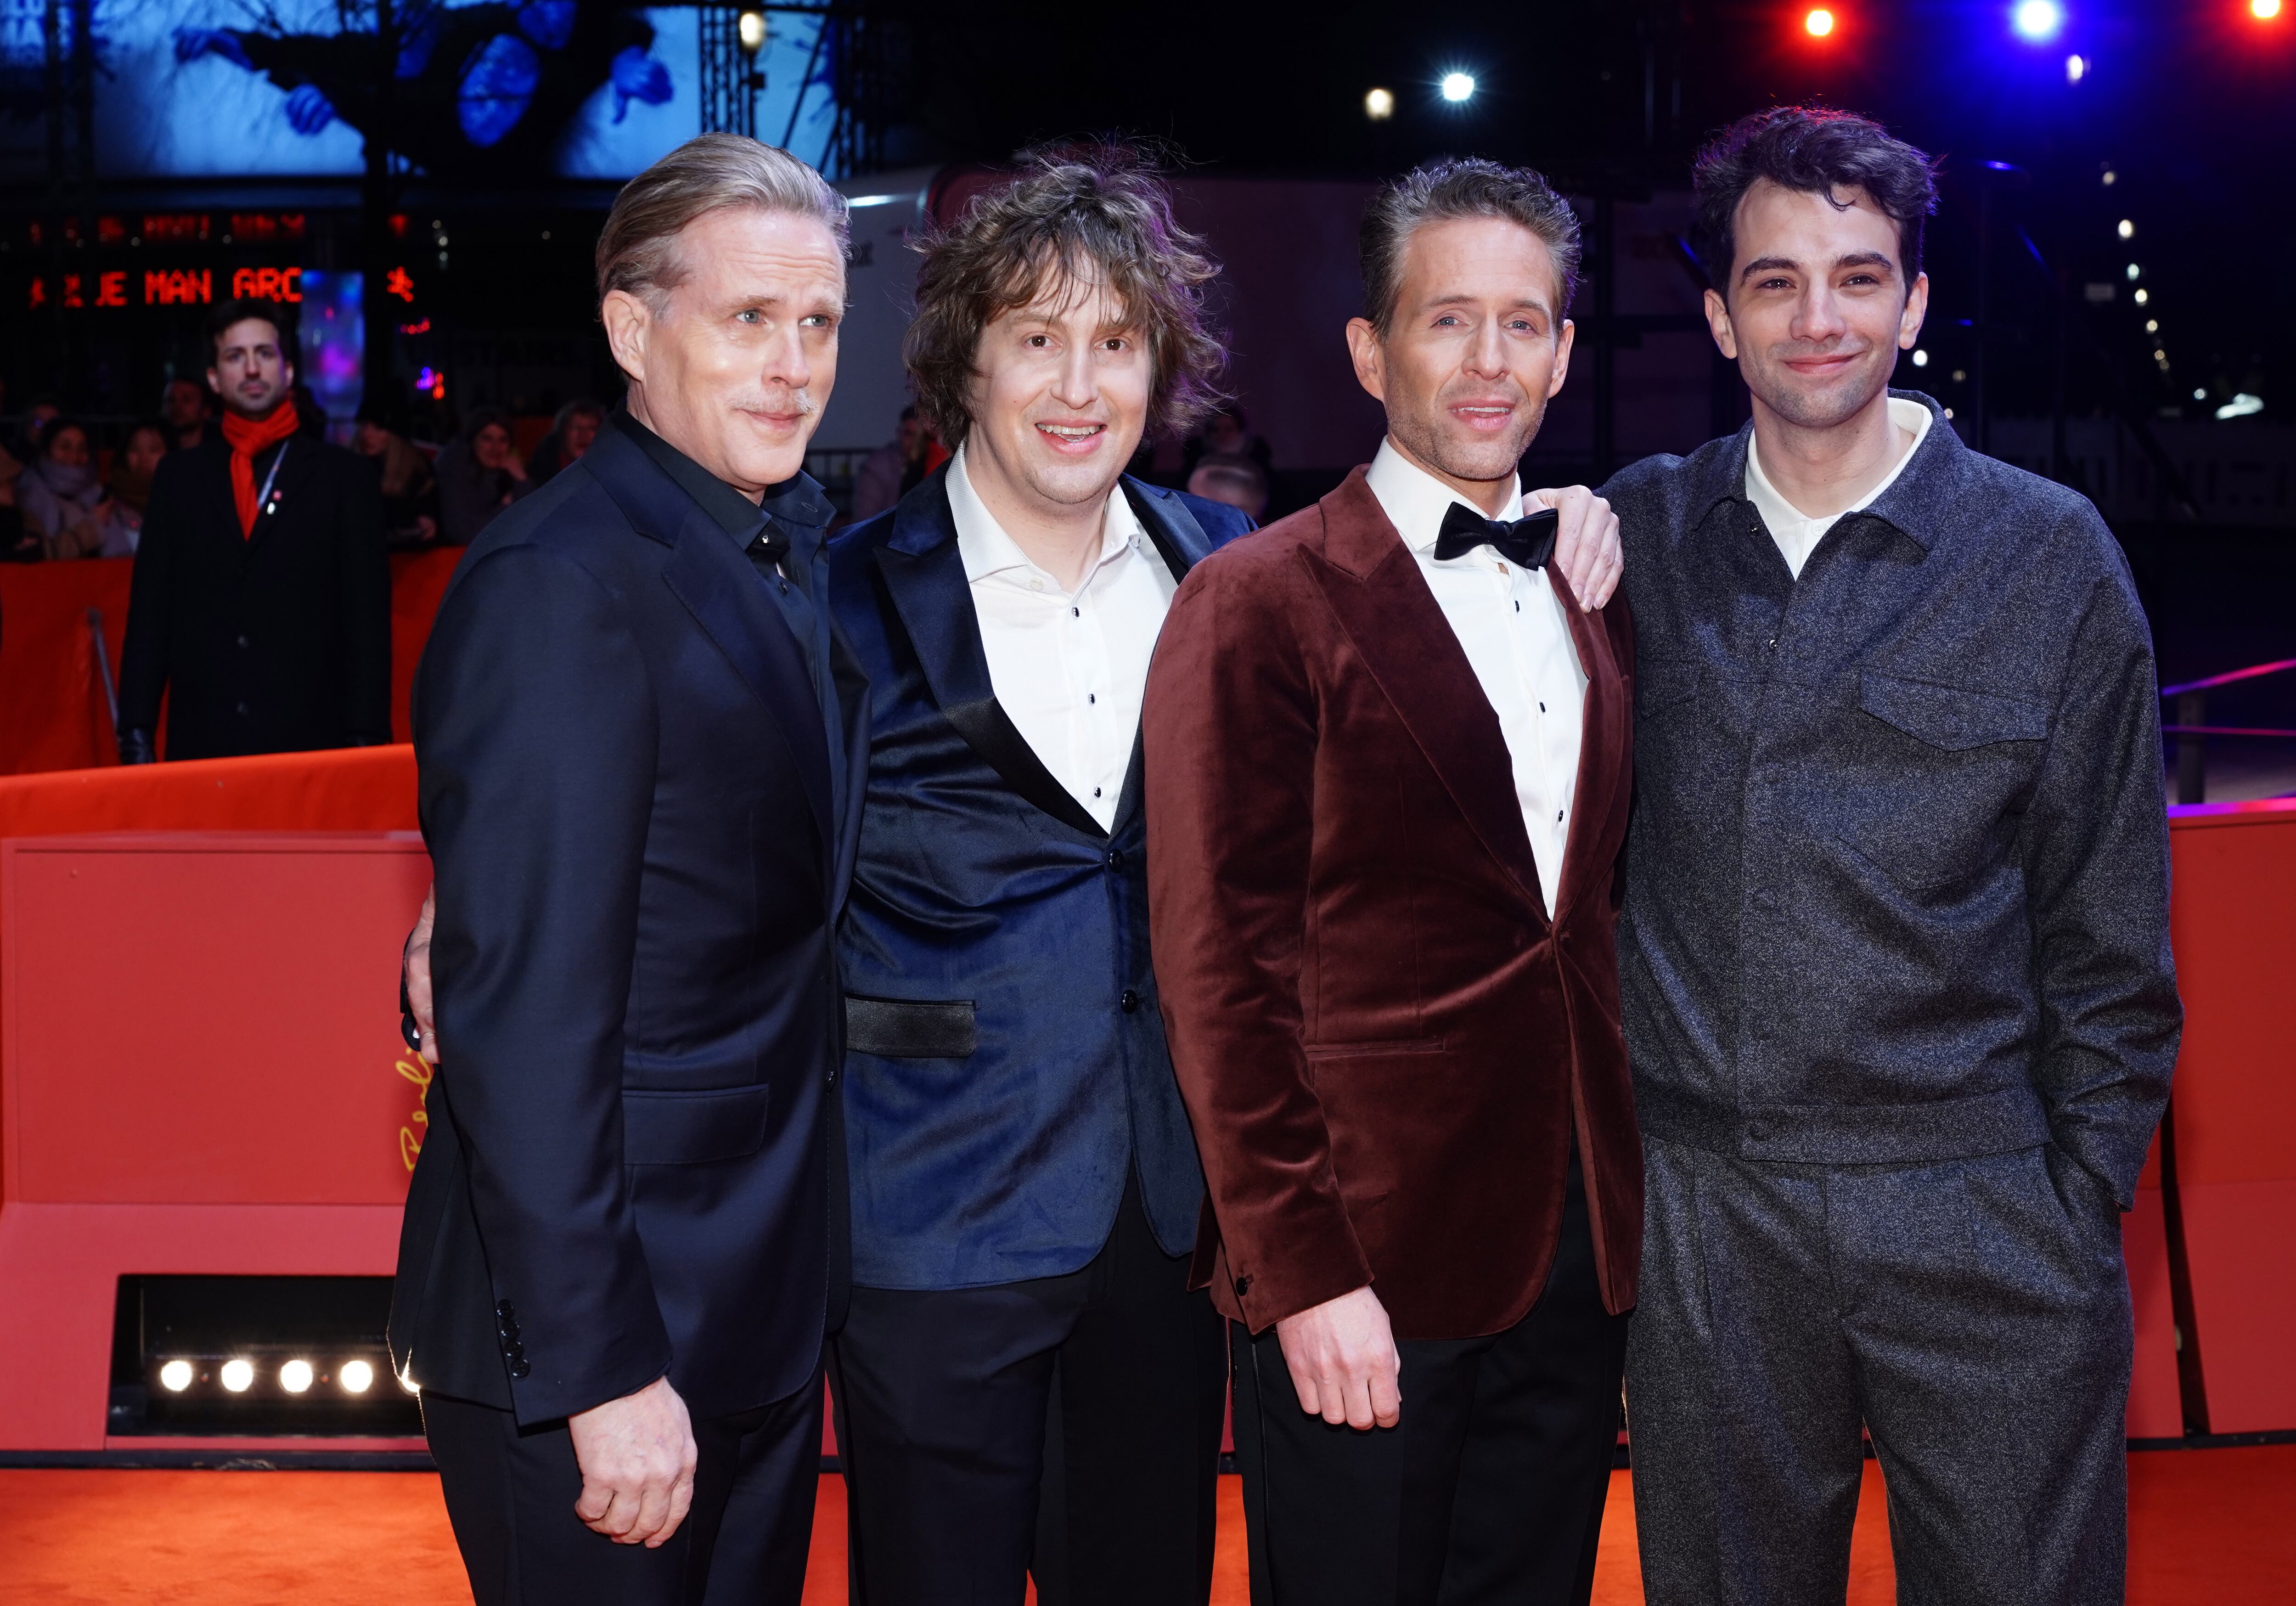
[(636, 1456), (1586, 548), (1343, 1361), (415, 976)]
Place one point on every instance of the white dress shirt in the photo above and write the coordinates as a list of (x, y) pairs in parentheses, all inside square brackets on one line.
[(1069, 668), (1510, 623), (1796, 533)]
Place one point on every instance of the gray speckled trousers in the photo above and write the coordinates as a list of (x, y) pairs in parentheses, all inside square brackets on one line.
[(1972, 1315)]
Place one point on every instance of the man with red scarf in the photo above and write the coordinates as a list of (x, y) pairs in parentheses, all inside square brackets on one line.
[(261, 601)]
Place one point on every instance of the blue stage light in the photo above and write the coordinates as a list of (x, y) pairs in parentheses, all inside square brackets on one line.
[(2038, 20)]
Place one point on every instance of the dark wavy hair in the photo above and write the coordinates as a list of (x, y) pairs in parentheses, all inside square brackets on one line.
[(1075, 212), (1819, 152)]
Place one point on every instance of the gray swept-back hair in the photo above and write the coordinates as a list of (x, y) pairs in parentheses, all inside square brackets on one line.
[(637, 249), (1444, 190)]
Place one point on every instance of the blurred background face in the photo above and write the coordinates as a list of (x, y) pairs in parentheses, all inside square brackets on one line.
[(183, 405), (1475, 348), (581, 433), (144, 451), (370, 440), (1058, 398), (1818, 307), (251, 372), (491, 446), (735, 366), (68, 448)]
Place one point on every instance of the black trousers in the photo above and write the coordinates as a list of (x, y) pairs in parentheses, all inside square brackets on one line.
[(1489, 1491), (1066, 1428), (511, 1493)]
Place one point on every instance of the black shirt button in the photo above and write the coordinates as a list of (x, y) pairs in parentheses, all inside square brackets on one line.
[(1242, 1287), (1758, 1131), (1130, 1002), (1116, 858)]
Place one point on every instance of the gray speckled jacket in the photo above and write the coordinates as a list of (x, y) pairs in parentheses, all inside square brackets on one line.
[(1897, 879)]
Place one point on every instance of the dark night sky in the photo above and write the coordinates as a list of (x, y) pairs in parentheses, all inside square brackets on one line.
[(2192, 102)]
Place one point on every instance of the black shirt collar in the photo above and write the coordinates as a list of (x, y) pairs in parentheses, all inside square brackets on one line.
[(797, 503)]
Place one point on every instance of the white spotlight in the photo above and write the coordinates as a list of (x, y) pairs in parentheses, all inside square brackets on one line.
[(1920, 358), (295, 1376), (749, 27), (2152, 325), (356, 1377), (1379, 104), (2076, 69), (2144, 296), (2199, 395), (2127, 229), (175, 1376), (1458, 86), (2110, 177), (2134, 271), (236, 1375)]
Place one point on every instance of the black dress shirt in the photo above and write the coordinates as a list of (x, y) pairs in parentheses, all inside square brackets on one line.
[(1897, 878), (799, 511)]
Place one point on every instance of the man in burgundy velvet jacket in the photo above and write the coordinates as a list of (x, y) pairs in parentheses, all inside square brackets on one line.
[(1389, 757)]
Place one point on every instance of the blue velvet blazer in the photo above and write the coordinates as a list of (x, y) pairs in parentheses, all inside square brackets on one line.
[(1005, 1064)]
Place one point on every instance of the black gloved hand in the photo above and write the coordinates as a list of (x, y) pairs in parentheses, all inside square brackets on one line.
[(135, 747)]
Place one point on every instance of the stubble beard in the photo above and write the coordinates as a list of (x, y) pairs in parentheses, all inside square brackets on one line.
[(1475, 461), (1824, 409)]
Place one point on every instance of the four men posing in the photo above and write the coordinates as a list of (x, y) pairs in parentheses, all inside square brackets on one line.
[(1895, 967)]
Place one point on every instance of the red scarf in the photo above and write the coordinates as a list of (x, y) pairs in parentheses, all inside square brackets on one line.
[(249, 436)]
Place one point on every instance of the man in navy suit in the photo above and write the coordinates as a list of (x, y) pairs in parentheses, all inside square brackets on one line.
[(636, 784), (1026, 1383)]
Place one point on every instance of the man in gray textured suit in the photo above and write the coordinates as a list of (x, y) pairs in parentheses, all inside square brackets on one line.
[(1895, 959)]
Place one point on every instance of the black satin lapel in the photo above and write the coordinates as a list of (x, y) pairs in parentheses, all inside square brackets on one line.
[(1174, 530), (853, 700), (716, 582), (1398, 628), (929, 591)]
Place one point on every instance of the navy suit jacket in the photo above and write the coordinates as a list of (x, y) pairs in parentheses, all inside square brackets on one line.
[(627, 791), (1005, 1065)]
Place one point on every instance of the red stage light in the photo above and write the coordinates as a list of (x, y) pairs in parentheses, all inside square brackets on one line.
[(1819, 23), (2264, 11)]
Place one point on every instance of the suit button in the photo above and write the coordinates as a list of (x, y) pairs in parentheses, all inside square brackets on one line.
[(504, 1311), (520, 1369), (1242, 1287), (1116, 858), (1130, 1001), (1757, 1132)]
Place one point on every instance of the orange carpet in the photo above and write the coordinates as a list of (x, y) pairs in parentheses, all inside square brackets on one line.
[(2209, 1528)]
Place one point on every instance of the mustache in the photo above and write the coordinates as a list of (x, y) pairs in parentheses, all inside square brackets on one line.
[(779, 401)]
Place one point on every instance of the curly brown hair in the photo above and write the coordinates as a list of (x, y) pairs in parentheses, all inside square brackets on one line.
[(1075, 212)]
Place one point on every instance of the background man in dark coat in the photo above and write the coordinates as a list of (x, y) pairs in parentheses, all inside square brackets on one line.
[(1388, 765), (1896, 954), (260, 604), (634, 749)]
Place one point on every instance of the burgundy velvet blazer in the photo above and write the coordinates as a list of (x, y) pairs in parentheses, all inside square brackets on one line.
[(1383, 1042)]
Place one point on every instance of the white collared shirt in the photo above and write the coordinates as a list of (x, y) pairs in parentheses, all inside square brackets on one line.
[(1070, 668), (1510, 623), (1796, 533)]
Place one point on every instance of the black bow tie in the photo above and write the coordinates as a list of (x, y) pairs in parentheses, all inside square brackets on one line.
[(1529, 541)]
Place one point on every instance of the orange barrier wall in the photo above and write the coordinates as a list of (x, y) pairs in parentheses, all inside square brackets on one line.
[(2236, 1101), (54, 714)]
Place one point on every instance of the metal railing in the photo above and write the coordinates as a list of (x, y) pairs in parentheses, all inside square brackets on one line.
[(2193, 730)]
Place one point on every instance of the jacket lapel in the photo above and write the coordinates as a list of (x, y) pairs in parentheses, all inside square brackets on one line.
[(1605, 753), (1374, 587), (924, 573), (716, 582), (1182, 544)]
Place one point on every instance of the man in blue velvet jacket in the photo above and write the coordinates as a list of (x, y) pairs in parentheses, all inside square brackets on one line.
[(1025, 1382)]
